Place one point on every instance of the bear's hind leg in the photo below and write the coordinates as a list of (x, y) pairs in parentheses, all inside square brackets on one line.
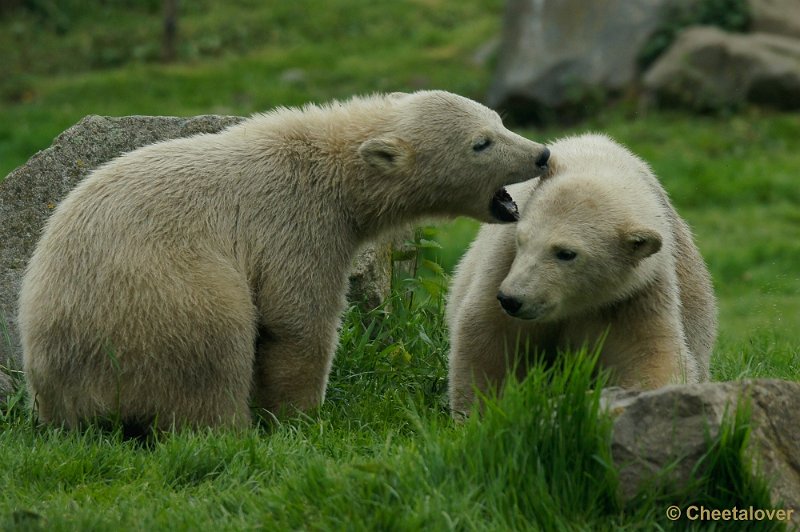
[(223, 404), (190, 363)]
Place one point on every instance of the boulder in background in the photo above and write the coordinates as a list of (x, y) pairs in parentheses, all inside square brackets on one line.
[(780, 17), (559, 55), (708, 69)]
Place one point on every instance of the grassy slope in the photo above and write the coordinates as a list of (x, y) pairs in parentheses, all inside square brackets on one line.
[(383, 435)]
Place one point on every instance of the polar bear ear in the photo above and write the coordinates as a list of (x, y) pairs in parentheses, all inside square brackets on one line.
[(641, 243), (386, 154)]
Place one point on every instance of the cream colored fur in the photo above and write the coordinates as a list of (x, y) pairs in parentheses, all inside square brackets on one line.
[(182, 280), (636, 273)]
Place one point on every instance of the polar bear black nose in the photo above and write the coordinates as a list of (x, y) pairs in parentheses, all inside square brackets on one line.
[(541, 162), (509, 304)]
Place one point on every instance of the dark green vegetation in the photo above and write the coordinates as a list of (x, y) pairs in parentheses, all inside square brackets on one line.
[(382, 452)]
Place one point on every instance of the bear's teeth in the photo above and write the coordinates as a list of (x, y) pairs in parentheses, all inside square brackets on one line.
[(503, 208)]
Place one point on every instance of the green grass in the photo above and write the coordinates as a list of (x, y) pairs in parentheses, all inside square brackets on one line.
[(382, 452)]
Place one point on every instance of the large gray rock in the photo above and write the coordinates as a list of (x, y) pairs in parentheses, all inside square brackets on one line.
[(557, 55), (673, 425), (781, 17), (707, 69), (29, 193)]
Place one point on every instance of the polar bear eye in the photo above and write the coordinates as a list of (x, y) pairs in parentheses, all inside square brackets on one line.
[(482, 144), (565, 254)]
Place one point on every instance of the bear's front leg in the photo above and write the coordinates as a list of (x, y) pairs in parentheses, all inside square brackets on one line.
[(480, 359), (648, 354), (292, 367)]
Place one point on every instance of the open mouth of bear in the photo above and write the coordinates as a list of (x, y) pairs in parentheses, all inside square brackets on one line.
[(502, 207)]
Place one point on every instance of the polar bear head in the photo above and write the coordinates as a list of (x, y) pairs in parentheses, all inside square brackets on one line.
[(455, 153), (594, 232)]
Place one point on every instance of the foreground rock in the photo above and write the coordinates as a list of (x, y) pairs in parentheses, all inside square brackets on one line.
[(707, 69), (29, 193), (673, 425), (557, 56)]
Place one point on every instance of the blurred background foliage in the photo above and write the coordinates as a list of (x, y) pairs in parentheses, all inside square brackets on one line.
[(68, 59)]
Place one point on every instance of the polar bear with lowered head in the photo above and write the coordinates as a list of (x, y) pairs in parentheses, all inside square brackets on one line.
[(183, 280), (598, 248)]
